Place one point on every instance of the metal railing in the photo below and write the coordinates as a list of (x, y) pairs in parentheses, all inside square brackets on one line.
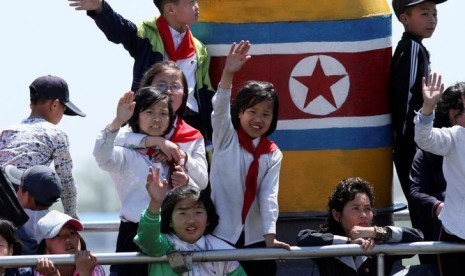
[(380, 250), (296, 252)]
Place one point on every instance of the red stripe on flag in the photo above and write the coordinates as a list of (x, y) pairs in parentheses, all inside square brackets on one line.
[(368, 73)]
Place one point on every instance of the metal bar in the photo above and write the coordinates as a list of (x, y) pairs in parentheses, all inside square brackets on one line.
[(380, 264), (253, 253)]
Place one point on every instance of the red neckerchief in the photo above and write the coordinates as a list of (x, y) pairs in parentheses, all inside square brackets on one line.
[(264, 146), (182, 133), (186, 47)]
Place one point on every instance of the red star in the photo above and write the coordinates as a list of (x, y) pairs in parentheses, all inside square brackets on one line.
[(319, 84)]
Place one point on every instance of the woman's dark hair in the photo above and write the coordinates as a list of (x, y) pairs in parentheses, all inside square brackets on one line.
[(191, 192), (41, 248), (344, 192), (161, 67), (8, 232), (144, 98), (252, 93), (451, 99)]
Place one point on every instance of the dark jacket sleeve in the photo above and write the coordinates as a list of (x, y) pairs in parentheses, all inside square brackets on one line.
[(427, 183), (400, 85), (411, 235), (310, 237), (116, 28)]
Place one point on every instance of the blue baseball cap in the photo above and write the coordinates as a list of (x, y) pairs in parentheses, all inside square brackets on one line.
[(40, 181), (53, 87)]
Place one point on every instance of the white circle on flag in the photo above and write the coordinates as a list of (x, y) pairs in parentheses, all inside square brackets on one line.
[(319, 103)]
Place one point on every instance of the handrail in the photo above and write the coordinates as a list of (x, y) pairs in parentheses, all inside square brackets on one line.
[(296, 252)]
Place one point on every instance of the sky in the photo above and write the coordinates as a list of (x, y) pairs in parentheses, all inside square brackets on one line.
[(49, 37)]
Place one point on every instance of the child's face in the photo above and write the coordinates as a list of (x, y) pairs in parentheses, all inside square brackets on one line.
[(186, 12), (422, 19), (154, 121), (357, 212), (256, 120), (168, 80), (189, 220), (66, 242), (5, 248)]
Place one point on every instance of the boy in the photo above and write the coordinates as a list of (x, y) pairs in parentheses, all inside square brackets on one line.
[(168, 37), (410, 63), (37, 141), (38, 188)]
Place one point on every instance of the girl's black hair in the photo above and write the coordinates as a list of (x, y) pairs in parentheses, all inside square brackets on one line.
[(161, 67), (191, 192), (451, 99), (344, 192), (8, 232), (144, 98), (252, 93), (42, 246)]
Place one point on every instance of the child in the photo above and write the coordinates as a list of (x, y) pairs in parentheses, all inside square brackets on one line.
[(427, 182), (244, 176), (183, 220), (168, 77), (37, 140), (350, 221), (167, 37), (59, 233), (410, 63), (450, 143), (148, 112), (11, 245), (39, 187)]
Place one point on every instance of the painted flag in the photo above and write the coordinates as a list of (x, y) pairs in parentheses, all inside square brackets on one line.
[(329, 62)]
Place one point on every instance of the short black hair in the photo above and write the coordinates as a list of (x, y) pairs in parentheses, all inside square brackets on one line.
[(255, 92), (194, 193), (144, 98), (345, 191), (451, 99), (161, 3), (8, 232)]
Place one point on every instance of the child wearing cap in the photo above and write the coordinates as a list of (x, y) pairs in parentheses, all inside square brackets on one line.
[(59, 234), (410, 63), (39, 187), (38, 141), (163, 38)]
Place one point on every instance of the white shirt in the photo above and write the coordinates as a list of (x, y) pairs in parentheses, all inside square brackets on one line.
[(450, 143), (227, 179)]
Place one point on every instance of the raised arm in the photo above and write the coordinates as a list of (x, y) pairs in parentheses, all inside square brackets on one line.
[(237, 57)]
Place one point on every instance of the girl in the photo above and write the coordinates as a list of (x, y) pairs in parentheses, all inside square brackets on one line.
[(168, 77), (183, 220), (149, 112), (60, 236), (245, 166), (11, 245), (448, 142), (350, 218)]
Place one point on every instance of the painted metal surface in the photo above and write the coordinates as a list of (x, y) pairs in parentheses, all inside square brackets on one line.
[(329, 61)]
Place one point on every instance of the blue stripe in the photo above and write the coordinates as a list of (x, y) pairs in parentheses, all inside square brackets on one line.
[(286, 32), (333, 138)]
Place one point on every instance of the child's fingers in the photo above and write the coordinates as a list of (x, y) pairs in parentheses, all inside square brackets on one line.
[(231, 50)]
